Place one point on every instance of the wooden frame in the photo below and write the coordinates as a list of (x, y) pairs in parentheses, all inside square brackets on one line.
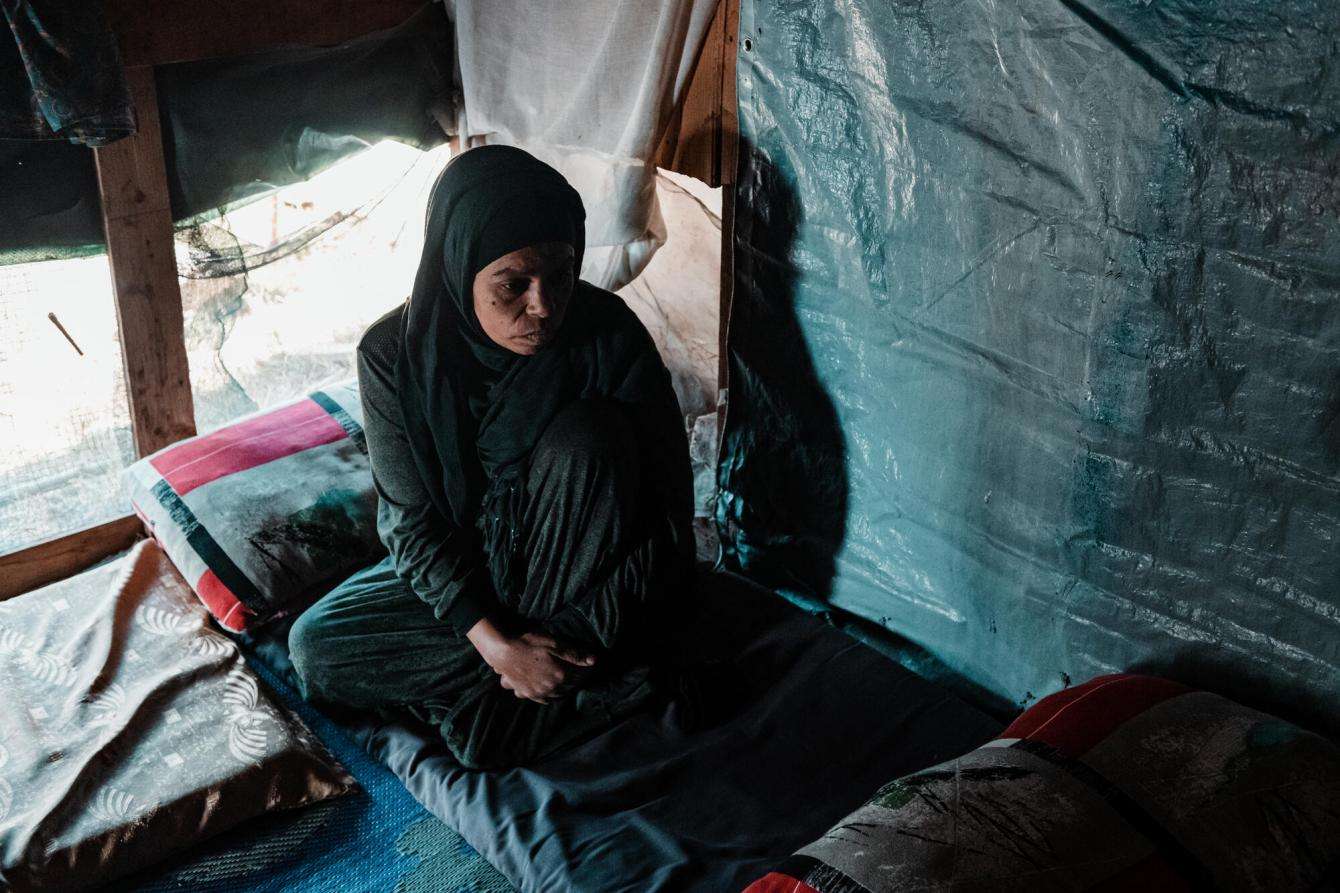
[(57, 558), (700, 139), (132, 181), (158, 32), (728, 127), (137, 221)]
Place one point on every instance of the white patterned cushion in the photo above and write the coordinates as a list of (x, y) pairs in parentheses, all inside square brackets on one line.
[(129, 728)]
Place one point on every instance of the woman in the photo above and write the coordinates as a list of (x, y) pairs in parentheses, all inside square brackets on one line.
[(533, 480)]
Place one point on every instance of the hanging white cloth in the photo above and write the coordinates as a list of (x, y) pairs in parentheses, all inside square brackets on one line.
[(590, 88)]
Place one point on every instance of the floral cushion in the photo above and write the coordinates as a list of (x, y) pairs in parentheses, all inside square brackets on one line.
[(1123, 783), (129, 729)]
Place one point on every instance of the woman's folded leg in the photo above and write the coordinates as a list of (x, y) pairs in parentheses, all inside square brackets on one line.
[(371, 643), (597, 556), (497, 730), (589, 564)]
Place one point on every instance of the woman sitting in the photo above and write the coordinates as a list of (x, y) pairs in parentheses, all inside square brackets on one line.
[(533, 479)]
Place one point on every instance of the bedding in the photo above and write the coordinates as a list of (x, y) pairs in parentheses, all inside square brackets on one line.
[(131, 729), (1124, 782), (379, 838), (265, 513), (795, 724)]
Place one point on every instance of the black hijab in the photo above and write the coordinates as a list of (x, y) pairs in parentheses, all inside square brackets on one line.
[(472, 407)]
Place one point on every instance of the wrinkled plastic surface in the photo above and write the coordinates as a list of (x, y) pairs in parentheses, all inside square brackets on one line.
[(1035, 344), (61, 74), (240, 127)]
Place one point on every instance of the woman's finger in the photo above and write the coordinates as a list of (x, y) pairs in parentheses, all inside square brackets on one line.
[(573, 656)]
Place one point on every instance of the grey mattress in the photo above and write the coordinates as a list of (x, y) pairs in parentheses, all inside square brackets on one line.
[(798, 726)]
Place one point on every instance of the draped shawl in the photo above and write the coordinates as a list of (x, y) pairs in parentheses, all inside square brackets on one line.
[(473, 408)]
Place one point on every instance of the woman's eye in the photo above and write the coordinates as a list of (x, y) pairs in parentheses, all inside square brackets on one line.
[(517, 286)]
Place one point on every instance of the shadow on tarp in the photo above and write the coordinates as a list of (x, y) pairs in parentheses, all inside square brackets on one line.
[(783, 442)]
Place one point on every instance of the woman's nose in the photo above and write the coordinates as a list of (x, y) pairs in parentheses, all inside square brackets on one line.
[(539, 302)]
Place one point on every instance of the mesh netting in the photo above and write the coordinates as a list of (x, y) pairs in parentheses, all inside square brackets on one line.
[(276, 293)]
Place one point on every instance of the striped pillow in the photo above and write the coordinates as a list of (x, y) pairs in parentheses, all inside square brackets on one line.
[(263, 514), (1124, 783)]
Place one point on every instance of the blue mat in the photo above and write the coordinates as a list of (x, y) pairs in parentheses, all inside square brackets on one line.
[(378, 838)]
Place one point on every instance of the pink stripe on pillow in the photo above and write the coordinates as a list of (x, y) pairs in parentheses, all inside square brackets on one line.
[(221, 602), (274, 435), (1091, 712)]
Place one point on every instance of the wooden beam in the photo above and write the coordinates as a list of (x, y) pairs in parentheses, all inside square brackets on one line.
[(157, 32), (137, 219), (729, 129), (730, 113), (698, 138), (58, 558)]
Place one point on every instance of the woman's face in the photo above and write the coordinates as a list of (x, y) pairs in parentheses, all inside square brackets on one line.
[(521, 297)]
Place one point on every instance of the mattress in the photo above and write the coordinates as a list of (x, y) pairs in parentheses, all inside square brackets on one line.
[(796, 724)]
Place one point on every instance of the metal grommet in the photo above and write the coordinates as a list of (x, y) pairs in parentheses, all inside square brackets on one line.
[(748, 45)]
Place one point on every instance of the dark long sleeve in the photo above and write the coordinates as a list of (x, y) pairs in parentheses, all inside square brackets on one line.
[(441, 562), (663, 444)]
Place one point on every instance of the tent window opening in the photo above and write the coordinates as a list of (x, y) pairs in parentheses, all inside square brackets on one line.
[(277, 292), (64, 416)]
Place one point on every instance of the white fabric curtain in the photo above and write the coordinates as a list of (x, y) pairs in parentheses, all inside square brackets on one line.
[(589, 87)]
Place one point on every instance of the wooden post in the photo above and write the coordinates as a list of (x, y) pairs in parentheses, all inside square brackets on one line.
[(700, 134), (728, 159), (137, 219)]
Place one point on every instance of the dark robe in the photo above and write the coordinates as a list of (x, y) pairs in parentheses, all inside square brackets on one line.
[(551, 491)]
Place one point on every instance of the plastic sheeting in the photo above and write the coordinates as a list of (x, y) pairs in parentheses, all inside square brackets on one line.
[(678, 295), (240, 127), (589, 88), (61, 75), (1035, 345)]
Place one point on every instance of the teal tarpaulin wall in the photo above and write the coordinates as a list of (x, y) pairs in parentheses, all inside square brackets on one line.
[(1035, 344)]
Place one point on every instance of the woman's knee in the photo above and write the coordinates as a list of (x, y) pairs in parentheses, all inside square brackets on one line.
[(502, 731), (588, 431), (308, 648)]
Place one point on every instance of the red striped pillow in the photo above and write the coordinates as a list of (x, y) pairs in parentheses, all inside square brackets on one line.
[(1124, 783), (262, 514)]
